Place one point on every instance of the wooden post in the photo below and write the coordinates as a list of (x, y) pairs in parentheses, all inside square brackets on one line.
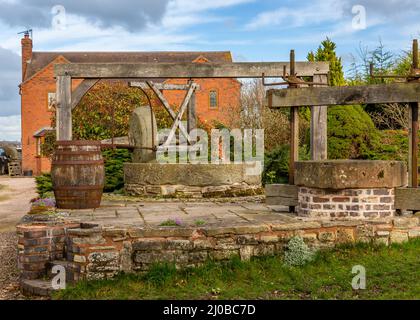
[(63, 112), (319, 126), (410, 146), (414, 125), (191, 114), (294, 127), (414, 142)]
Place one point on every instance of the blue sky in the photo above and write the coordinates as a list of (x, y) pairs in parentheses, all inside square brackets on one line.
[(252, 30)]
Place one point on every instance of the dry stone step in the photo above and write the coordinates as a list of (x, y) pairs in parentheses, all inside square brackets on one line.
[(36, 287)]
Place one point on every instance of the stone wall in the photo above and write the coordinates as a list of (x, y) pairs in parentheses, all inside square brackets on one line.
[(93, 252), (348, 203)]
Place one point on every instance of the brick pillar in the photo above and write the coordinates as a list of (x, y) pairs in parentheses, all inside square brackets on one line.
[(27, 45)]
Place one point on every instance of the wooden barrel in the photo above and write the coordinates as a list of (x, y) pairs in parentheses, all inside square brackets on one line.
[(78, 174)]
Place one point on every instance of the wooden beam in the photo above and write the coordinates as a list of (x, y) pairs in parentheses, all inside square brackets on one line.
[(63, 111), (81, 91), (177, 122), (319, 127), (161, 86), (168, 108), (348, 95), (281, 194), (186, 70)]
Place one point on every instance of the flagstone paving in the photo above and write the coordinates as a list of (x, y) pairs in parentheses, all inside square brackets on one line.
[(210, 213)]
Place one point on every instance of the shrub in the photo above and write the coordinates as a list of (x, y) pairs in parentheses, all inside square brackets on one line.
[(44, 184), (297, 253), (351, 133), (276, 164), (114, 174)]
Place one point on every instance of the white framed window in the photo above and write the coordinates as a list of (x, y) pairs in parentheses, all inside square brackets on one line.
[(213, 99)]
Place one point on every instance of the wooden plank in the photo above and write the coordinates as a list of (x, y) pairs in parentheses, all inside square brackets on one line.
[(281, 190), (81, 91), (177, 122), (161, 86), (347, 95), (187, 70), (192, 113), (168, 108), (280, 201), (407, 199), (63, 111), (282, 194), (319, 127)]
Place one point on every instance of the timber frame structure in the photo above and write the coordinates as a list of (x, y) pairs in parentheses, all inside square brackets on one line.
[(91, 73), (406, 92)]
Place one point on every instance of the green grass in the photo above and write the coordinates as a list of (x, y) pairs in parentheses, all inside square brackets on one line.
[(391, 273)]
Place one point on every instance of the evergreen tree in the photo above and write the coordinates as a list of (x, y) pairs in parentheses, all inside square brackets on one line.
[(326, 52)]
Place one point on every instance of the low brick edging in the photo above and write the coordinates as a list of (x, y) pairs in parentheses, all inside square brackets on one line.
[(38, 244), (366, 203), (94, 252)]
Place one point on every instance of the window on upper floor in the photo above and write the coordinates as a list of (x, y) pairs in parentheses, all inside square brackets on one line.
[(51, 101), (213, 99)]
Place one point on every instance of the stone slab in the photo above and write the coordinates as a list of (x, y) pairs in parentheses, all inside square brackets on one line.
[(350, 174), (200, 175)]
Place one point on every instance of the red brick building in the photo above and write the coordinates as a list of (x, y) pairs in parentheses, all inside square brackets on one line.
[(214, 100)]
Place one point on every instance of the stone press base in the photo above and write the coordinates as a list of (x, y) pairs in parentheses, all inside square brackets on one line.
[(191, 180), (347, 203), (354, 189)]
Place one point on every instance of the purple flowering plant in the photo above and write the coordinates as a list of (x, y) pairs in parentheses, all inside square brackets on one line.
[(43, 202)]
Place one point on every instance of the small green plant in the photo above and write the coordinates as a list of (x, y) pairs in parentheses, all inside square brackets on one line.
[(297, 253), (171, 223), (199, 222)]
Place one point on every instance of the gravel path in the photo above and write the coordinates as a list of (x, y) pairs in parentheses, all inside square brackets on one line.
[(9, 275), (15, 194)]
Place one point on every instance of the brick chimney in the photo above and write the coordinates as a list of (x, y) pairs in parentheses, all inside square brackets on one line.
[(26, 52)]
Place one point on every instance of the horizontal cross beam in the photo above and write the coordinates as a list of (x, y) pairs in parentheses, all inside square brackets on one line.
[(348, 95), (162, 86), (187, 70)]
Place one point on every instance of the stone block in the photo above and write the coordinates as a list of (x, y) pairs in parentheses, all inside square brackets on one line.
[(350, 174), (398, 236), (326, 236), (345, 235)]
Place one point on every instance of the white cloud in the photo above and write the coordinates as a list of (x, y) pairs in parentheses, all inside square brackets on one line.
[(316, 12), (10, 128)]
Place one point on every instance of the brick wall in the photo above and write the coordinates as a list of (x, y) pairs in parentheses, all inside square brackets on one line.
[(347, 203)]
